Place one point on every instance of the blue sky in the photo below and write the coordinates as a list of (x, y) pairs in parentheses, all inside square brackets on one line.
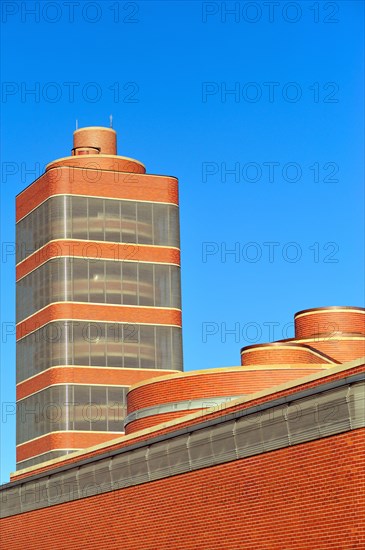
[(258, 112)]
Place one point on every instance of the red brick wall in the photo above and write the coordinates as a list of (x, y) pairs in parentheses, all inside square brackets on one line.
[(85, 375), (343, 350), (97, 250), (306, 497), (205, 386), (94, 136), (329, 321), (98, 312), (62, 440), (95, 163), (150, 421), (116, 185), (276, 354)]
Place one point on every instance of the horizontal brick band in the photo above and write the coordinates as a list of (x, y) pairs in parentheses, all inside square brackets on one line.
[(72, 181), (62, 440), (184, 386), (97, 312), (99, 162), (85, 375), (330, 321), (283, 352), (150, 421), (341, 348), (98, 250)]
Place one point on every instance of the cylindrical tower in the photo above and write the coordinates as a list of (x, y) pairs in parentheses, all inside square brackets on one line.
[(98, 294)]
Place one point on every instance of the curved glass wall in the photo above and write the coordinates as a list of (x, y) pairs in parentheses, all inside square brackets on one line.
[(71, 407), (91, 218), (98, 281), (99, 344)]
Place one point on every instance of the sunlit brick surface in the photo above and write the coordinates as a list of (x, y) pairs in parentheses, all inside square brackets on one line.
[(329, 321)]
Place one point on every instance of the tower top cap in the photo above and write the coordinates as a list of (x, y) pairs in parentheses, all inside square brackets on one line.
[(98, 139), (107, 128)]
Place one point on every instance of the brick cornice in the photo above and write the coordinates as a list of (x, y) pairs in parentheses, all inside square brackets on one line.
[(97, 250), (98, 312)]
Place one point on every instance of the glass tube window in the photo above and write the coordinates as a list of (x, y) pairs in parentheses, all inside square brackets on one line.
[(82, 343), (92, 218), (98, 281)]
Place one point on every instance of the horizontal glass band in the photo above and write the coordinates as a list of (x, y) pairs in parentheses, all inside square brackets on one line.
[(84, 343), (97, 219)]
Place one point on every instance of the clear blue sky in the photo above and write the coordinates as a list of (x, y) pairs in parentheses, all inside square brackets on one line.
[(292, 130)]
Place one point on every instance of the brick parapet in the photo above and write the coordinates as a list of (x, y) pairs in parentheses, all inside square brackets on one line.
[(211, 384)]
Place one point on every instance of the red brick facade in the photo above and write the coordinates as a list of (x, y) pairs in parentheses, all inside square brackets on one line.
[(96, 312), (322, 335), (84, 375), (97, 250), (72, 181), (331, 321), (301, 498)]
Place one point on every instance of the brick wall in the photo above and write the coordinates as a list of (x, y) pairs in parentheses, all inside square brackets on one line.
[(298, 498), (341, 349), (84, 375), (99, 250), (98, 312), (213, 384), (65, 180), (61, 440), (150, 421), (330, 321), (276, 354)]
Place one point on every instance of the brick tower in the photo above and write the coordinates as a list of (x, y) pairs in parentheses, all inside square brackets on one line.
[(98, 294)]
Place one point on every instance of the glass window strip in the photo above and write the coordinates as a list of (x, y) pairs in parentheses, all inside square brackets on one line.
[(70, 216), (94, 281), (62, 343)]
